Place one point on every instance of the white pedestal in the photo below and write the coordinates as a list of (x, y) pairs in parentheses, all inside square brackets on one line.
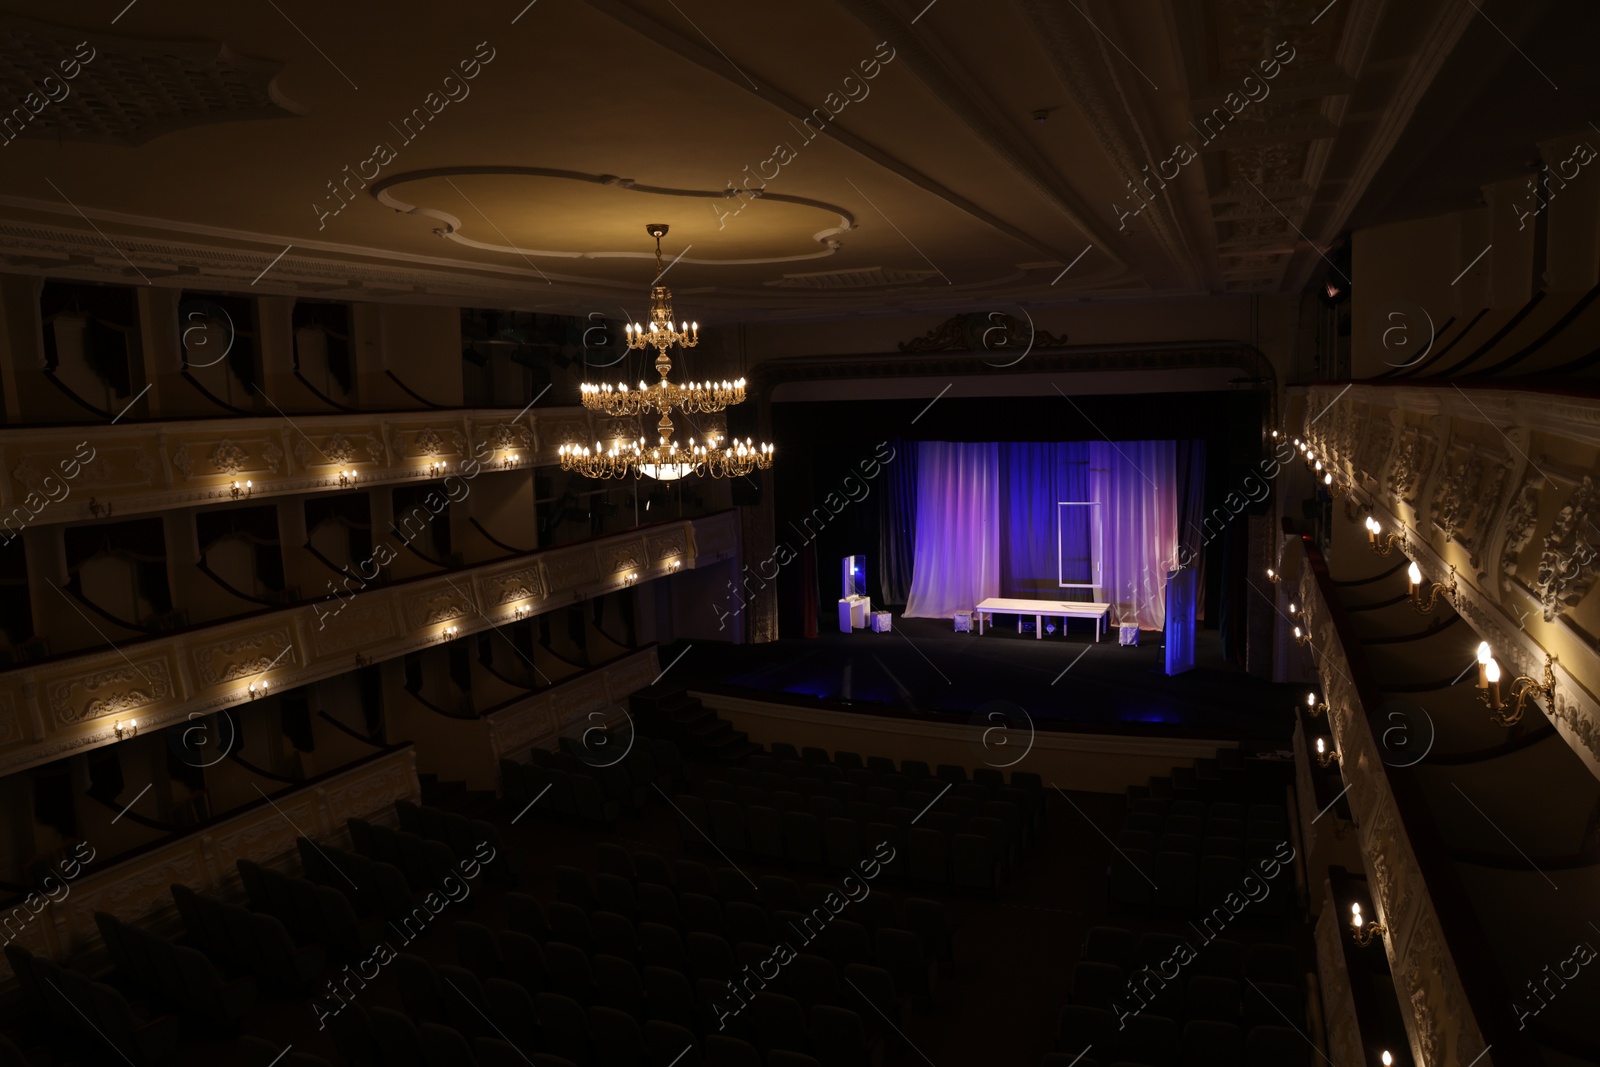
[(853, 613)]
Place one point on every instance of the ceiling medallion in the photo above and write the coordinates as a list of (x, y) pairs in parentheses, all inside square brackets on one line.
[(667, 459)]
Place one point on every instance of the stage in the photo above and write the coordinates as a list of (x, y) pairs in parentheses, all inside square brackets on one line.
[(925, 669)]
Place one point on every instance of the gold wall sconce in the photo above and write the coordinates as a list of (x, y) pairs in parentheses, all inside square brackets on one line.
[(1313, 706), (1414, 578), (1362, 930), (1525, 689), (1324, 755), (1382, 543)]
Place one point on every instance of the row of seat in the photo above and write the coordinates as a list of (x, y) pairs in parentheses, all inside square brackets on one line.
[(781, 751), (1195, 886), (466, 838), (688, 988), (600, 1037), (647, 758), (555, 1021), (935, 810), (312, 913), (963, 860), (1218, 957), (1202, 997), (926, 918), (809, 779), (244, 941), (551, 791), (180, 977), (1264, 814), (373, 887), (712, 944), (426, 863), (1152, 1041), (92, 1014)]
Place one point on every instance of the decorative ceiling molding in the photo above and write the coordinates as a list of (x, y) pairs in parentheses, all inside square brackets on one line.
[(112, 89), (1080, 63), (865, 278), (713, 62), (453, 225)]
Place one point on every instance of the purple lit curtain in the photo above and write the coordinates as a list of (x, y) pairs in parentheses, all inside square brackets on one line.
[(957, 556), (1035, 477), (1136, 485)]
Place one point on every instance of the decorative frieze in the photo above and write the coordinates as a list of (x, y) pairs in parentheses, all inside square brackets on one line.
[(80, 696)]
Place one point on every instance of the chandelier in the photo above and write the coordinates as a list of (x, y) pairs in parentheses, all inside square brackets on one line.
[(667, 459)]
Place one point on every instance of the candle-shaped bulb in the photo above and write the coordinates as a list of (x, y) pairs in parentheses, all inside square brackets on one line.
[(1311, 700), (1321, 746), (1491, 671), (1483, 652)]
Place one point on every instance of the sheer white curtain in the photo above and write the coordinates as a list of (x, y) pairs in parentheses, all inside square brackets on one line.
[(1136, 485), (957, 559)]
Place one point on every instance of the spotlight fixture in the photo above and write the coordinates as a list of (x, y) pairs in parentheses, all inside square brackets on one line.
[(1324, 756), (125, 730), (1382, 543), (1524, 689), (1313, 706), (242, 492), (1362, 930), (1414, 577)]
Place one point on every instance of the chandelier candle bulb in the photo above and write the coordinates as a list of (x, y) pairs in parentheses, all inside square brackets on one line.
[(1414, 576), (1483, 664)]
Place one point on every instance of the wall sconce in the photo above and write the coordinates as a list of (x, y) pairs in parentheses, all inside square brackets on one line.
[(99, 510), (1335, 489), (1272, 576), (347, 479), (1524, 688), (1313, 706), (125, 730), (1295, 612), (1383, 545), (1301, 637), (1362, 930), (436, 469), (1324, 756), (676, 564), (507, 462), (258, 689), (449, 633), (1414, 577), (243, 491), (363, 660), (630, 578)]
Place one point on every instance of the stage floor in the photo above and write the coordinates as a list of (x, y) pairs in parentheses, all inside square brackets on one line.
[(922, 666)]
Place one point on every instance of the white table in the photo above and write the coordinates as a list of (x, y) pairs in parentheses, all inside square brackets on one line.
[(1042, 609)]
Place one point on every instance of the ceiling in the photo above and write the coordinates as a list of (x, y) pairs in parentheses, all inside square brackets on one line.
[(503, 154)]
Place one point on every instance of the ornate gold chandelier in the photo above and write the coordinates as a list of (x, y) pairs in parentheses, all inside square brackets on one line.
[(667, 459)]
